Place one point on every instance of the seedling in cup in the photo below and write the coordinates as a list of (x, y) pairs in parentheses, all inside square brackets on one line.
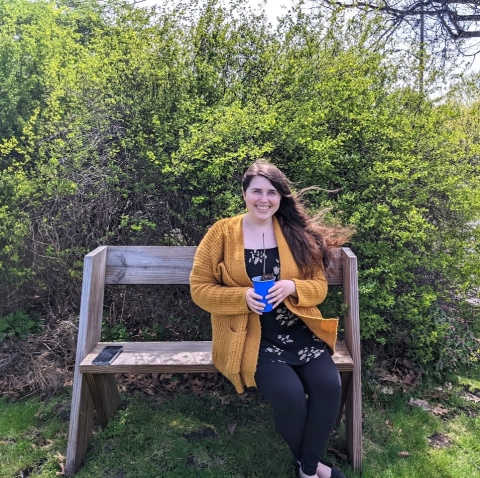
[(261, 284)]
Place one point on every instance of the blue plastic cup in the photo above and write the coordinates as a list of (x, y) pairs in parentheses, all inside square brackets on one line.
[(261, 288)]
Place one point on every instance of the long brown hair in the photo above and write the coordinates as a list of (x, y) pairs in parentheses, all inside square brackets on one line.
[(310, 240)]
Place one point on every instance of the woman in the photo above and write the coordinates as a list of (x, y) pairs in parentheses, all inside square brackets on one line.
[(285, 353)]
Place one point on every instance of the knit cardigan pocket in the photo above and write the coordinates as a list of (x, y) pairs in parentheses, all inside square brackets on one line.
[(228, 343)]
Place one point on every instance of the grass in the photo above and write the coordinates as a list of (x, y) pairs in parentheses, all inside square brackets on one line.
[(29, 445), (222, 435)]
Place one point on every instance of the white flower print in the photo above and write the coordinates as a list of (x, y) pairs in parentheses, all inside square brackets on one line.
[(306, 354), (274, 350), (285, 339), (256, 256), (276, 269), (285, 317), (315, 338)]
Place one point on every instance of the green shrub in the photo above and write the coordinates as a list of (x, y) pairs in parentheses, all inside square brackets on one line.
[(18, 324)]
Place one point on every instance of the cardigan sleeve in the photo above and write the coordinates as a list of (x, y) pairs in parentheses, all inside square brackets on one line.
[(207, 284), (311, 292)]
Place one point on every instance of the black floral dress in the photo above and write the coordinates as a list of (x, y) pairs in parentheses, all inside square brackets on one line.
[(285, 338)]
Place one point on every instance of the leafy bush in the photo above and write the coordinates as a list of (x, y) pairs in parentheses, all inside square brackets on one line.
[(18, 324)]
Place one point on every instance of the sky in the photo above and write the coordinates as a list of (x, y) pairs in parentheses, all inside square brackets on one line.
[(273, 8)]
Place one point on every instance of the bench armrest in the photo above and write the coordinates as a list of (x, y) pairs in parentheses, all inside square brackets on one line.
[(350, 295), (91, 306)]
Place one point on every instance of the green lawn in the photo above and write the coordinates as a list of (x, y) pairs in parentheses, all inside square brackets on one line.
[(221, 435)]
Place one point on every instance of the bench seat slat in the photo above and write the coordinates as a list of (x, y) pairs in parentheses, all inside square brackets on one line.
[(175, 357)]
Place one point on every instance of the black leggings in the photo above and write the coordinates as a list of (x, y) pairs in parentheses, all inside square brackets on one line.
[(304, 424)]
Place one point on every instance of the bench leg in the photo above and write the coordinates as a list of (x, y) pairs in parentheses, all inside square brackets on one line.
[(105, 396), (346, 379), (90, 392), (353, 422), (81, 424)]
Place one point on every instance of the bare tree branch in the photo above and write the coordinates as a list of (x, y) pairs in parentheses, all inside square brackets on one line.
[(458, 19)]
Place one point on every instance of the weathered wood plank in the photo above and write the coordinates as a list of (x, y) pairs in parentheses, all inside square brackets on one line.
[(81, 415), (104, 391), (335, 271), (346, 378), (168, 265), (181, 357), (81, 425), (353, 404), (149, 264)]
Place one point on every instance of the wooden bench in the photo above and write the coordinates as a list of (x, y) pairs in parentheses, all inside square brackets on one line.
[(95, 387)]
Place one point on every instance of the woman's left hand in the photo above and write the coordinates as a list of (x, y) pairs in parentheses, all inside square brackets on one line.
[(280, 291)]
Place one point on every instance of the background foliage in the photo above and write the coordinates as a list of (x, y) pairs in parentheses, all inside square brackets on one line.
[(122, 125)]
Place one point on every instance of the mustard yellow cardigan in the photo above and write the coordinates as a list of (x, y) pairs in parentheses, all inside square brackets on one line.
[(218, 283)]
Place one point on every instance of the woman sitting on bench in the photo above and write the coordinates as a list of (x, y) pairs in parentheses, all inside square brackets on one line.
[(285, 352)]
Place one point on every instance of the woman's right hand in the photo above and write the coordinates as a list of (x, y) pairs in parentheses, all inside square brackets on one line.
[(253, 301)]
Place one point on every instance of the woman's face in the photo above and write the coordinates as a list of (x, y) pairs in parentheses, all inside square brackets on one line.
[(262, 199)]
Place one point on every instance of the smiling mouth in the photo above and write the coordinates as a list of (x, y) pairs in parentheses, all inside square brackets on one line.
[(263, 208)]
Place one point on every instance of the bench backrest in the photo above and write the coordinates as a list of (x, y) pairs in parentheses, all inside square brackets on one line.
[(169, 265)]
